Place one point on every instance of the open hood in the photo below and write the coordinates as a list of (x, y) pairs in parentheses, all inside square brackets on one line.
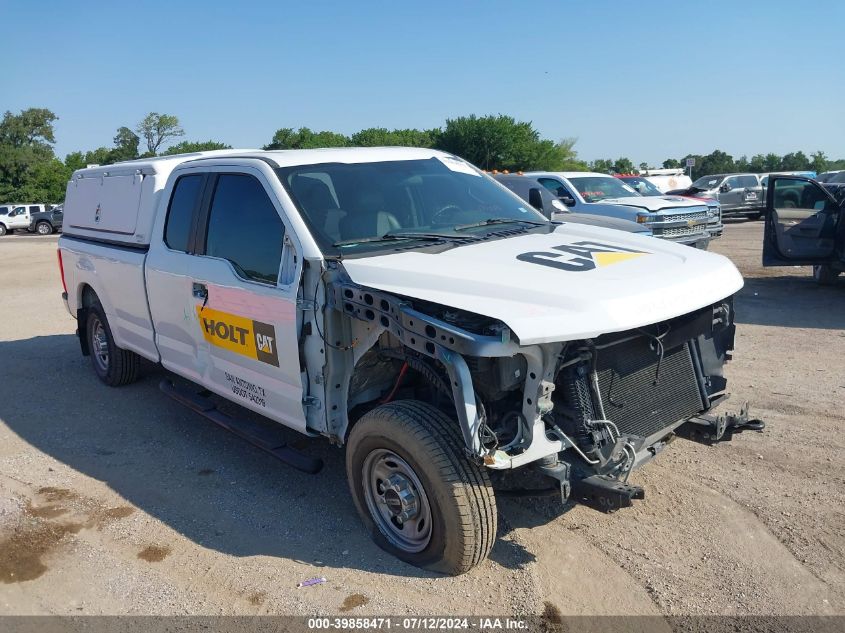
[(576, 282), (654, 203)]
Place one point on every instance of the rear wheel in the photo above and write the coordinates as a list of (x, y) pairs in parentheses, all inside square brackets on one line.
[(825, 275), (418, 495), (3, 230), (113, 365), (44, 228)]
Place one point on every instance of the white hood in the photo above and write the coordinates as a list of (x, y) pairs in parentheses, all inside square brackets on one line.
[(654, 203), (597, 281)]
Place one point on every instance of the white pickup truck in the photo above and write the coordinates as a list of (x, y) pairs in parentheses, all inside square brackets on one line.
[(402, 303)]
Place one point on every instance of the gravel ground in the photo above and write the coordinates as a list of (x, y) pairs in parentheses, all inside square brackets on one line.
[(119, 501)]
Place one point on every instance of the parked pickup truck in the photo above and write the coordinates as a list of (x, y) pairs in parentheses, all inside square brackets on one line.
[(805, 225), (400, 302), (46, 222), (20, 216), (672, 218), (739, 194), (547, 203)]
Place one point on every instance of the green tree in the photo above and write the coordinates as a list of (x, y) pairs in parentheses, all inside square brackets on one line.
[(501, 142), (304, 138), (187, 147), (29, 171), (819, 162), (795, 161), (671, 163), (382, 137), (125, 145), (602, 166), (771, 162), (623, 165), (156, 129)]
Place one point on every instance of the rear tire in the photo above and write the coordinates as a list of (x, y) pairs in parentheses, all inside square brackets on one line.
[(113, 365), (825, 275), (406, 467), (3, 230), (44, 228)]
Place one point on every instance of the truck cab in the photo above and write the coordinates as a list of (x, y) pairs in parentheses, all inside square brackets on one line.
[(805, 226)]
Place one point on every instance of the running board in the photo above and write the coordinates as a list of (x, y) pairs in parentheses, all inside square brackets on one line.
[(262, 435)]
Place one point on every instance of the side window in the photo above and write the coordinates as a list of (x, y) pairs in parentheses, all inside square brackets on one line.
[(748, 181), (180, 212), (732, 182), (555, 187), (245, 229), (34, 209)]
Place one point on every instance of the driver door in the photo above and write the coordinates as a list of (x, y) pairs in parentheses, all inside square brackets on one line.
[(801, 222)]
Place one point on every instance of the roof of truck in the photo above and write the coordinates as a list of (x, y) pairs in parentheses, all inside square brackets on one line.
[(281, 158)]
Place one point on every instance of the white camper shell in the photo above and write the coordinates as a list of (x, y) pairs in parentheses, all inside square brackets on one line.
[(118, 203)]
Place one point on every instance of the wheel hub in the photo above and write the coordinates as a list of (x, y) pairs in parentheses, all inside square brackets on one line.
[(400, 498)]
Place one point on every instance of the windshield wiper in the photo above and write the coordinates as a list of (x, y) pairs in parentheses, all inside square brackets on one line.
[(490, 221), (395, 235)]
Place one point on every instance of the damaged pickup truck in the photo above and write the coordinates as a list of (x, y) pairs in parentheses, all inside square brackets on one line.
[(402, 303)]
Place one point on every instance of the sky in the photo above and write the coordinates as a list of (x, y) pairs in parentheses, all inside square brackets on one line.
[(646, 80)]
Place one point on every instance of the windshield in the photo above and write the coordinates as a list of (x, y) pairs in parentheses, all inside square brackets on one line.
[(643, 186), (351, 207), (705, 183), (597, 188)]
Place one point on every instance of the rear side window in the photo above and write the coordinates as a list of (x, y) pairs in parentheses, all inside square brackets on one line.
[(34, 209), (748, 181), (180, 213), (245, 229)]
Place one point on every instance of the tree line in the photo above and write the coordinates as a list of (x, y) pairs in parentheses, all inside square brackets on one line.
[(31, 172)]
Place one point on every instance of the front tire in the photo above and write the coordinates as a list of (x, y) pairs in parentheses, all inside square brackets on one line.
[(44, 228), (113, 365), (418, 495), (825, 275), (3, 230)]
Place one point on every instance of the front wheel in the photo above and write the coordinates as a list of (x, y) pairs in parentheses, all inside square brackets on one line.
[(113, 365), (3, 230), (825, 275), (418, 495), (44, 228)]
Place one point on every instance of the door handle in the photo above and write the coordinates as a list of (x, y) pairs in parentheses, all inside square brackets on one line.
[(200, 291)]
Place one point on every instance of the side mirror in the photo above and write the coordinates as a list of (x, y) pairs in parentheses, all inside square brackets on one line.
[(568, 201), (535, 198), (725, 187)]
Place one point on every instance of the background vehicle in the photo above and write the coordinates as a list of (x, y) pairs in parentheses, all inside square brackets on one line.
[(640, 184), (808, 232), (832, 176), (20, 217), (402, 303), (667, 179), (46, 222), (738, 194), (535, 194), (683, 220)]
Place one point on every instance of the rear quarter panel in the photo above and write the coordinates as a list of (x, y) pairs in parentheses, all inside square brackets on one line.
[(116, 275)]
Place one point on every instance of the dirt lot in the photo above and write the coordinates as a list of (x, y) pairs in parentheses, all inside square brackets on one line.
[(118, 501)]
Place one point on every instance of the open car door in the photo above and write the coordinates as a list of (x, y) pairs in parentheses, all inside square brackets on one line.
[(801, 222)]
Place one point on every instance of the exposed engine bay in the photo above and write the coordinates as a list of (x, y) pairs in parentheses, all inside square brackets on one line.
[(577, 411)]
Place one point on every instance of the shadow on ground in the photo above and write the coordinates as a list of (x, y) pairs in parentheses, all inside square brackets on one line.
[(791, 301), (215, 489)]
